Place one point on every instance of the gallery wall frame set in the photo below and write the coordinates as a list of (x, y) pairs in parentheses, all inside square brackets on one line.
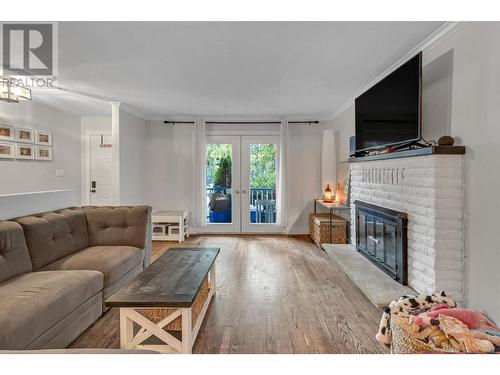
[(25, 143)]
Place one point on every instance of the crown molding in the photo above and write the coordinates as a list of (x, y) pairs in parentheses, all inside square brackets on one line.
[(443, 33)]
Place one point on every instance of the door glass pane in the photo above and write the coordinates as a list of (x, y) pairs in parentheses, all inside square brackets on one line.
[(263, 177), (362, 232), (218, 182), (390, 245), (370, 235), (379, 240)]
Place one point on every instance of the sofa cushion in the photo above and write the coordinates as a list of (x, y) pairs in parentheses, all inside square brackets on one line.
[(112, 261), (32, 303), (118, 225), (53, 235), (14, 255)]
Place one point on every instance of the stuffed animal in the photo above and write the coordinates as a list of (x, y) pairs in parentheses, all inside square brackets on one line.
[(404, 305), (495, 340), (454, 327), (472, 319)]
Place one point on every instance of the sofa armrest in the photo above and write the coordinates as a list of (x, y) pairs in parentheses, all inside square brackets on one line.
[(120, 226)]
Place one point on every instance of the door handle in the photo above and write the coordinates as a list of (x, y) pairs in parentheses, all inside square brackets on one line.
[(92, 190), (237, 191), (244, 191)]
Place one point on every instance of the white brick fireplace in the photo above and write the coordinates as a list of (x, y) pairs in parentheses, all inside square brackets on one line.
[(429, 189)]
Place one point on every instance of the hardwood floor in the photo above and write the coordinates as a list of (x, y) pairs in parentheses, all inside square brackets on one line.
[(275, 294)]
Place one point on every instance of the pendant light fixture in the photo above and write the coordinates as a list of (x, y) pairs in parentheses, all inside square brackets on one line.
[(11, 92)]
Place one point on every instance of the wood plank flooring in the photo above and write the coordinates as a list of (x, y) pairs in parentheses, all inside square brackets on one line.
[(275, 294)]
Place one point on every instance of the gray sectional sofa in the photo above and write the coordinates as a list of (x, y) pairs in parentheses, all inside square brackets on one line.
[(57, 268)]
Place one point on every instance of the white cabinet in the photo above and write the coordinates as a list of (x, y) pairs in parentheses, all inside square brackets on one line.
[(170, 225)]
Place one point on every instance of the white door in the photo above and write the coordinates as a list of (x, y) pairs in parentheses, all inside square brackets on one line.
[(222, 185), (259, 181), (241, 182), (100, 162)]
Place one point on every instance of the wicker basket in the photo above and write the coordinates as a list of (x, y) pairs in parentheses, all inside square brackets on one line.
[(156, 315), (318, 228), (403, 343)]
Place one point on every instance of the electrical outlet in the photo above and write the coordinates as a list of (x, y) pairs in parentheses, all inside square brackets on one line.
[(59, 172)]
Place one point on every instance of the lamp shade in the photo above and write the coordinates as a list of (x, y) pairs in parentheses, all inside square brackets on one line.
[(328, 160)]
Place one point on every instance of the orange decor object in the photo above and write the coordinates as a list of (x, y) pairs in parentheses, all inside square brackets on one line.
[(328, 196)]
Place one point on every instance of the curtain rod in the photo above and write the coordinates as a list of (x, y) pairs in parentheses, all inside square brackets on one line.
[(315, 122)]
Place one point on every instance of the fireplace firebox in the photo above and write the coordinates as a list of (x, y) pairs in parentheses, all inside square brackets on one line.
[(381, 236)]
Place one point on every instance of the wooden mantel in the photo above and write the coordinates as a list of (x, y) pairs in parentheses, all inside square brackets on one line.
[(432, 150)]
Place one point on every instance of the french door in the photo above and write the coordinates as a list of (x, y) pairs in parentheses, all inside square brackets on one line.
[(241, 184), (222, 184)]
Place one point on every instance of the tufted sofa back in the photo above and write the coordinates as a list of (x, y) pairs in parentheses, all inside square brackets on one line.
[(110, 226), (53, 235), (14, 256)]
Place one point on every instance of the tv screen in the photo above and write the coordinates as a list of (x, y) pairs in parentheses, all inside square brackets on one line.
[(388, 113)]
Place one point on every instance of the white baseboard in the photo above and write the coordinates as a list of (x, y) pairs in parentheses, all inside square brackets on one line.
[(204, 230), (298, 230)]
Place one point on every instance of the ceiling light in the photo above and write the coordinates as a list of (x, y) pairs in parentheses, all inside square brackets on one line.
[(11, 92)]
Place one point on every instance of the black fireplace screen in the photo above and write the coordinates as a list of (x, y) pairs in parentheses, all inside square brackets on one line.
[(381, 236)]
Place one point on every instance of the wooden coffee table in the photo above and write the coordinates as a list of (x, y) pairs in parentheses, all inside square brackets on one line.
[(169, 298)]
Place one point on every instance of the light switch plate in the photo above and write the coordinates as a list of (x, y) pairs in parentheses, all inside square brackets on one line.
[(59, 172)]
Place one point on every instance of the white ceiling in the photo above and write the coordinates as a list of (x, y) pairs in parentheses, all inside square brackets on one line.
[(224, 70)]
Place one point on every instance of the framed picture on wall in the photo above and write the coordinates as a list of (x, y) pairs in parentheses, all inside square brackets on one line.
[(43, 138), (7, 150), (43, 153), (25, 135), (25, 152), (6, 133)]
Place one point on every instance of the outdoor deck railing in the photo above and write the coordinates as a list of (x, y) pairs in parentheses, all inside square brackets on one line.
[(255, 193)]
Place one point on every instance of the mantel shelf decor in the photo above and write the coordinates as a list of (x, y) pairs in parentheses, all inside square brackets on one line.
[(431, 150)]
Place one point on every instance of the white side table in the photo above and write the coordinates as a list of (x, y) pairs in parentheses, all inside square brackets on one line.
[(170, 225)]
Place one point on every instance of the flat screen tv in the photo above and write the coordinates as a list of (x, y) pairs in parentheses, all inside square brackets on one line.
[(389, 113)]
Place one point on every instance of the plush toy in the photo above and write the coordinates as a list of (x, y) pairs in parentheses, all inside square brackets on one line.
[(404, 305), (454, 327), (495, 340), (472, 319)]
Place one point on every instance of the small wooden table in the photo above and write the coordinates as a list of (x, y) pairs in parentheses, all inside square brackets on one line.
[(179, 285)]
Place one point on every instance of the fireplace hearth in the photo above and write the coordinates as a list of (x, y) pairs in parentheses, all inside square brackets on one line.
[(381, 236)]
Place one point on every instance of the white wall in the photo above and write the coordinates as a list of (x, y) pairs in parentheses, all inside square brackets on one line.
[(132, 163), (21, 176), (170, 177), (461, 97), (304, 174), (90, 123), (475, 114)]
